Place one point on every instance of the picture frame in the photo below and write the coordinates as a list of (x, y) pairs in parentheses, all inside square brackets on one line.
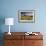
[(26, 16)]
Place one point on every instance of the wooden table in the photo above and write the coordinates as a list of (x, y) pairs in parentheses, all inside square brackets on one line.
[(20, 39)]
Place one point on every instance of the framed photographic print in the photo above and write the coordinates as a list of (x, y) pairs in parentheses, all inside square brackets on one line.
[(26, 16)]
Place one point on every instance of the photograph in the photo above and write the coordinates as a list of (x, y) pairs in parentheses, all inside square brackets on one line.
[(26, 16)]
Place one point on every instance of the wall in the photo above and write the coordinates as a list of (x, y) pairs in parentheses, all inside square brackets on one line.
[(9, 8)]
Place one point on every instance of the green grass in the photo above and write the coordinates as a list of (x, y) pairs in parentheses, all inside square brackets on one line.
[(26, 17)]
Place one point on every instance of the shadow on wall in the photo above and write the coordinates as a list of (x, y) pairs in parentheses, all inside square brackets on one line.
[(2, 21)]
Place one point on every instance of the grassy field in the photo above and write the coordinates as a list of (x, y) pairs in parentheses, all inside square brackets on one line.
[(26, 17)]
